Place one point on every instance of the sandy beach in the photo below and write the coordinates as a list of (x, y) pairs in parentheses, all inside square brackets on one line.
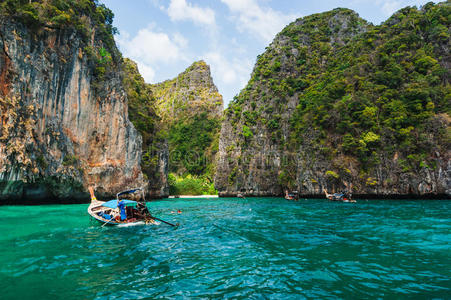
[(198, 196)]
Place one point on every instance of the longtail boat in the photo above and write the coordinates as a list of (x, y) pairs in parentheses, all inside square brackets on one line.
[(117, 212), (344, 196), (294, 195)]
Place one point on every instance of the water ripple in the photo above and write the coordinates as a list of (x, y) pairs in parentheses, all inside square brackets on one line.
[(232, 248)]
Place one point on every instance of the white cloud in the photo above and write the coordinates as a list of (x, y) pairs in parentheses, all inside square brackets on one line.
[(221, 66), (180, 40), (146, 71), (151, 48), (180, 10), (389, 7), (229, 74), (261, 21)]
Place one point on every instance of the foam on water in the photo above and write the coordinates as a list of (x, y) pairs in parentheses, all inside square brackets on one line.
[(133, 224)]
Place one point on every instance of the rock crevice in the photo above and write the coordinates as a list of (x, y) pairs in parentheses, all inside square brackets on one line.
[(54, 122)]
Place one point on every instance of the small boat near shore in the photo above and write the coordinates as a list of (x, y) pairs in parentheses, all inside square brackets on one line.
[(121, 211), (344, 196), (294, 195)]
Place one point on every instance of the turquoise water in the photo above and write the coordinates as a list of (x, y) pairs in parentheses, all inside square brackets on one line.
[(231, 248)]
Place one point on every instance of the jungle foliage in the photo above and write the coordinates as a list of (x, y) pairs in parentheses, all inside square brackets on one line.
[(362, 91), (188, 130), (92, 21), (85, 15), (191, 142), (190, 185), (190, 107), (141, 109)]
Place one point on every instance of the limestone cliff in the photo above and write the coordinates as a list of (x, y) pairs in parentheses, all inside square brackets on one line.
[(335, 100), (63, 109), (143, 114), (190, 108), (192, 92)]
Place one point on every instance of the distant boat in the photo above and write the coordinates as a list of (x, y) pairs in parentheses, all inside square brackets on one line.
[(117, 212), (294, 195), (344, 196)]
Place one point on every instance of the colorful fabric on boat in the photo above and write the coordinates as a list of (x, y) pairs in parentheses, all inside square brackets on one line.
[(104, 215), (113, 203), (121, 206)]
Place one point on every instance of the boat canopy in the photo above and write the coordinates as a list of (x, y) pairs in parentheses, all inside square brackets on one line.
[(113, 203), (128, 192)]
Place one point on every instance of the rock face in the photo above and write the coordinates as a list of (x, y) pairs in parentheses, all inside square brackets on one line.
[(190, 108), (336, 101), (191, 93), (143, 114), (60, 132)]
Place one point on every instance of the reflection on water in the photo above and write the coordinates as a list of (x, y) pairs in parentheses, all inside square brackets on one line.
[(231, 248)]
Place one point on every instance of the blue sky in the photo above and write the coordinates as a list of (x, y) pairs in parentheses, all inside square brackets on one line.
[(166, 36)]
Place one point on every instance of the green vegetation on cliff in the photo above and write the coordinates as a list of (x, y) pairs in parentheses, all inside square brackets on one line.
[(141, 110), (190, 108), (193, 144), (92, 20), (190, 185), (64, 125), (335, 92), (383, 94), (84, 15), (179, 120)]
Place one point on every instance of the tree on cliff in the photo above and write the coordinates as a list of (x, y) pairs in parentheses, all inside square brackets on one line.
[(333, 94)]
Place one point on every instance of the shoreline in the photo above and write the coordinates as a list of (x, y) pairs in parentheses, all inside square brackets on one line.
[(354, 196), (21, 201), (194, 197)]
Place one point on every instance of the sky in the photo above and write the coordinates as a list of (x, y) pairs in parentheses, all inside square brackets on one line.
[(165, 37)]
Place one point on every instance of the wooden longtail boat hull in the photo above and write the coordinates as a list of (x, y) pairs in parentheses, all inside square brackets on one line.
[(95, 207), (98, 209)]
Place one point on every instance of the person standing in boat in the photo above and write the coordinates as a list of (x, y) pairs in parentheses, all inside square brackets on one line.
[(121, 206)]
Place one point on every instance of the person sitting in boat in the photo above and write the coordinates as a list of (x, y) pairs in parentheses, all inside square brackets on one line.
[(142, 210), (121, 206)]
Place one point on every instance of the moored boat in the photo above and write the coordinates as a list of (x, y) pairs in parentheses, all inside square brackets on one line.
[(344, 196), (120, 211), (294, 195)]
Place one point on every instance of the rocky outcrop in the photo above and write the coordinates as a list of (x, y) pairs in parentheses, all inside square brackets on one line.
[(190, 108), (191, 93), (321, 110), (61, 131), (143, 115)]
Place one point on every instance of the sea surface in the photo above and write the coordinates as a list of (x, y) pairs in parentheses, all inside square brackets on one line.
[(258, 248)]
